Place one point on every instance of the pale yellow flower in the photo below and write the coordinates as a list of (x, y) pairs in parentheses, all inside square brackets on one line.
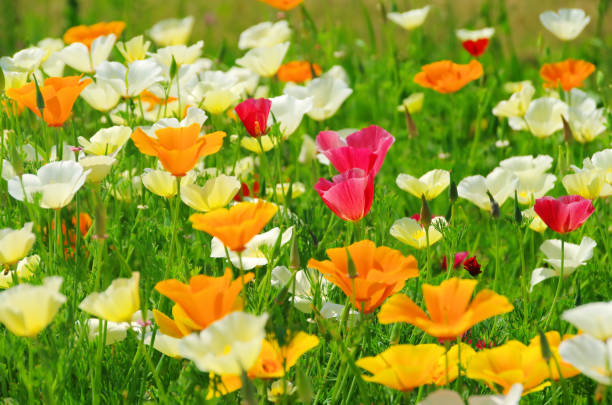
[(297, 189), (106, 141), (536, 223), (100, 167), (218, 100), (15, 243), (27, 309), (431, 184), (134, 49), (587, 184), (173, 31), (160, 183), (117, 303), (25, 270), (253, 144), (216, 193), (409, 231), (413, 103)]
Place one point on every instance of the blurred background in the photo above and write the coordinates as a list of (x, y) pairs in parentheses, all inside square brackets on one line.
[(25, 22)]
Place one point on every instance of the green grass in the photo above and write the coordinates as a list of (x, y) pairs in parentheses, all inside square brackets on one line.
[(381, 72)]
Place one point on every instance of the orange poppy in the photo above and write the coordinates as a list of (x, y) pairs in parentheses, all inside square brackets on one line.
[(235, 226), (450, 311), (284, 5), (403, 367), (447, 77), (381, 271), (178, 149), (273, 362), (298, 71), (201, 302), (86, 34), (59, 94), (569, 73), (148, 97), (70, 235)]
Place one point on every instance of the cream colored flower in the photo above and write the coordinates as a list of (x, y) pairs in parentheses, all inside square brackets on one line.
[(165, 344), (182, 54), (411, 232), (543, 117), (475, 35), (603, 160), (173, 31), (160, 182), (15, 243), (98, 166), (282, 190), (327, 92), (536, 223), (516, 107), (280, 389), (431, 184), (230, 345), (585, 119), (134, 49), (308, 151), (265, 34), (501, 183), (413, 103), (53, 186), (255, 144), (27, 309), (566, 24), (591, 356), (132, 80), (589, 183), (410, 20), (115, 331), (107, 141), (26, 60), (79, 57), (117, 303), (25, 270), (101, 96), (216, 193), (592, 318), (265, 60), (288, 111)]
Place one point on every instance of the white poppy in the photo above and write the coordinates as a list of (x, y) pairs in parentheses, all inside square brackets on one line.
[(308, 151), (289, 111), (173, 31), (516, 107), (585, 119), (265, 60), (501, 183), (543, 117), (536, 223), (107, 141), (574, 257), (255, 251), (134, 49), (132, 80), (183, 54), (475, 35), (115, 331), (216, 193), (15, 243), (56, 183), (160, 183), (431, 184), (603, 160), (589, 355), (264, 34), (587, 183), (246, 78), (410, 20), (594, 319), (411, 232), (566, 24), (24, 271), (230, 345), (327, 92), (101, 96), (26, 60), (79, 57), (98, 166)]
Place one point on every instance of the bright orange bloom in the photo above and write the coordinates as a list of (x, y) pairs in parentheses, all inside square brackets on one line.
[(381, 271), (235, 226), (284, 5), (446, 76), (201, 302), (554, 340), (298, 71), (273, 362), (569, 73), (59, 94), (403, 367), (450, 311), (178, 149), (86, 34), (148, 97), (509, 364)]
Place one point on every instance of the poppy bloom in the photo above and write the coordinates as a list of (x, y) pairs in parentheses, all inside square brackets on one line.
[(564, 214), (235, 226), (365, 149), (569, 73), (178, 148), (254, 115), (450, 311), (86, 34), (284, 5), (59, 94), (349, 195), (152, 100), (201, 302), (404, 367), (472, 266), (381, 271), (475, 42), (459, 259), (446, 76), (298, 71), (245, 191)]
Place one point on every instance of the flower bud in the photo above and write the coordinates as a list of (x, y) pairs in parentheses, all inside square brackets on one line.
[(352, 270), (173, 68), (568, 136), (518, 215), (40, 101), (426, 216), (544, 346), (453, 195), (495, 212), (294, 256)]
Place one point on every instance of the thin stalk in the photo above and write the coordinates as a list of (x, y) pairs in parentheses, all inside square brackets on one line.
[(427, 268), (559, 284), (496, 226), (175, 211), (523, 280)]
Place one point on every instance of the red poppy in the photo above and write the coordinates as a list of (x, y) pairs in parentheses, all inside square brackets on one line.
[(459, 259), (349, 195), (245, 191), (472, 266), (254, 115), (564, 214), (476, 48)]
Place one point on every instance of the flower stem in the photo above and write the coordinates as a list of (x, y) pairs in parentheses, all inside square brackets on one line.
[(523, 279), (559, 285), (496, 227), (427, 269), (175, 211)]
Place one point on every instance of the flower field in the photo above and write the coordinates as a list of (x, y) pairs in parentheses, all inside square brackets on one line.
[(317, 211)]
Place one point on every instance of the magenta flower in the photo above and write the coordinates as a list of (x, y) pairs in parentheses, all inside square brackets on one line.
[(459, 259), (349, 195), (365, 149), (564, 214), (254, 115)]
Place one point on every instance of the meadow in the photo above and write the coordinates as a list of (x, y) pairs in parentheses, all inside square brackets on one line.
[(285, 201)]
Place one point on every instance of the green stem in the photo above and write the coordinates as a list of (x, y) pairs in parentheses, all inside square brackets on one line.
[(496, 226), (175, 212), (523, 280), (427, 268), (559, 284)]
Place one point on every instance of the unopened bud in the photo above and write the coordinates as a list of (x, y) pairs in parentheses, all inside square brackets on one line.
[(173, 68), (518, 215), (567, 131), (40, 101), (2, 80), (395, 334), (426, 216), (453, 195), (544, 346), (495, 212), (410, 125), (294, 256), (352, 270)]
